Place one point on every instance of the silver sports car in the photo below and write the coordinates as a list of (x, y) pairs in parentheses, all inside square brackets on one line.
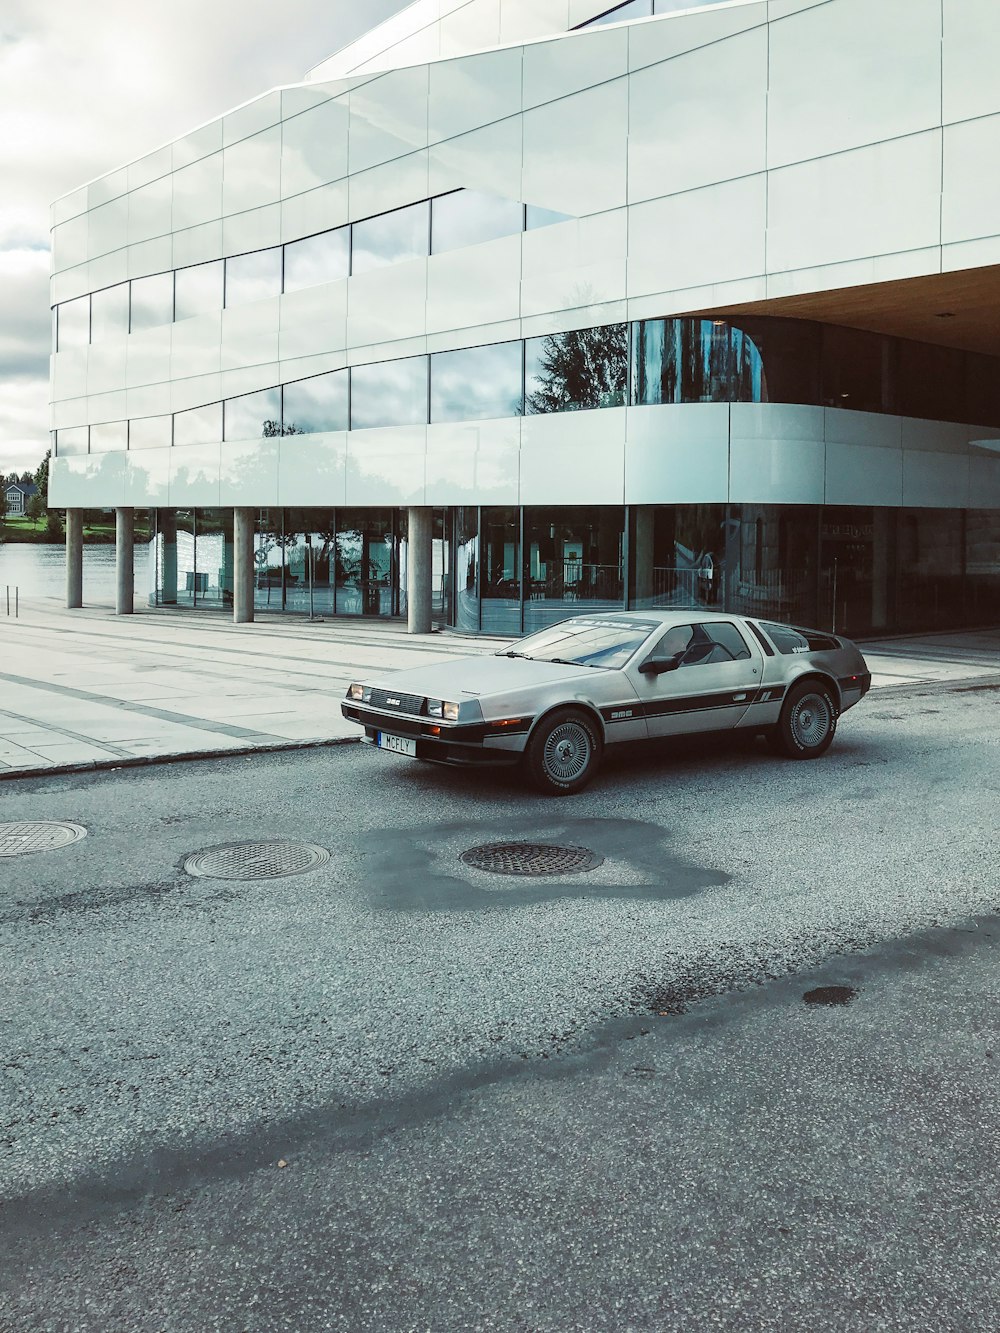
[(554, 700)]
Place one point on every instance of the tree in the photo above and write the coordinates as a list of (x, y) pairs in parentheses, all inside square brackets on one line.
[(41, 478), (581, 369), (35, 507)]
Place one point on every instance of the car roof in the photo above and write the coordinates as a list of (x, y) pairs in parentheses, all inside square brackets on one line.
[(672, 615)]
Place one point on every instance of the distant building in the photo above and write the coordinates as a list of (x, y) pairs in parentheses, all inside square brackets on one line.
[(552, 305), (18, 494)]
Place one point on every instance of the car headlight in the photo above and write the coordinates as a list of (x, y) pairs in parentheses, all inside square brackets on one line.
[(441, 708), (360, 693)]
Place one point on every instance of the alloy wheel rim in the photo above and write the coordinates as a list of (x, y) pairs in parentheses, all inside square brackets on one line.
[(567, 752), (810, 720)]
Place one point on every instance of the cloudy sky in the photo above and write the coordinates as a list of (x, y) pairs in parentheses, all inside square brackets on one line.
[(86, 85)]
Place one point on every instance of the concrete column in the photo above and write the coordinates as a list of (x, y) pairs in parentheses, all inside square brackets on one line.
[(419, 569), (124, 561), (74, 558), (243, 566), (166, 524), (644, 556)]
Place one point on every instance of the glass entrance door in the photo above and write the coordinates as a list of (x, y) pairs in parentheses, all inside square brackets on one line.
[(367, 581)]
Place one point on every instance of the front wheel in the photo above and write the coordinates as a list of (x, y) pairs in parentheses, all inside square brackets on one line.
[(563, 753), (808, 722)]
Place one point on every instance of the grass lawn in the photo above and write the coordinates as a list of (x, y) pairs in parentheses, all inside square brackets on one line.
[(22, 529)]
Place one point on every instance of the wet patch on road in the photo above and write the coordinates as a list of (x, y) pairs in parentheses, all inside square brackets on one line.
[(414, 869), (830, 996)]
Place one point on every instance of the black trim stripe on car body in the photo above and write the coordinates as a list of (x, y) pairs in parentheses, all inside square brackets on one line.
[(694, 703), (758, 634)]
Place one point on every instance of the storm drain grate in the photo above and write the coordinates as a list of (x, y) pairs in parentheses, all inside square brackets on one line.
[(35, 835), (530, 858), (255, 860)]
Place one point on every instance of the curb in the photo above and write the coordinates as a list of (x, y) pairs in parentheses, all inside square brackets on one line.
[(182, 757)]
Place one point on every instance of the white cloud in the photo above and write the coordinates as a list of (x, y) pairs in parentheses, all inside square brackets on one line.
[(88, 85)]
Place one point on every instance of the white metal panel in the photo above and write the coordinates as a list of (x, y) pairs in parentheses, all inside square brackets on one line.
[(558, 68), (251, 172), (574, 151), (479, 284), (194, 476), (147, 478), (473, 462), (852, 73), (776, 454), (677, 454), (250, 334), (312, 469), (313, 320), (256, 229), (107, 227), (386, 466), (149, 168), (971, 204), (69, 243), (248, 472), (107, 406), (149, 210), (472, 28), (198, 144), (106, 367), (870, 429), (387, 303), (197, 193), (197, 245), (486, 159), (858, 474), (672, 35), (715, 234), (314, 147), (944, 437), (391, 185), (196, 391), (682, 133), (473, 91), (196, 345), (574, 458), (388, 118), (935, 480), (154, 256), (538, 19), (573, 264), (148, 356), (984, 481), (971, 51), (867, 202), (318, 210), (87, 482)]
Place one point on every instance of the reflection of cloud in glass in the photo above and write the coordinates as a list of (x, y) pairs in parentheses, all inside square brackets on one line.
[(149, 433), (469, 217), (199, 425), (253, 277), (318, 403), (109, 437), (74, 323), (252, 413), (476, 383), (74, 440), (391, 238), (109, 313), (391, 394), (152, 301), (317, 259), (199, 289)]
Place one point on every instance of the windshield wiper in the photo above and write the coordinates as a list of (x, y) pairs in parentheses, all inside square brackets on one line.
[(526, 656)]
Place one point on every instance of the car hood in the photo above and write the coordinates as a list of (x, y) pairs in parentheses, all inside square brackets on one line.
[(470, 677)]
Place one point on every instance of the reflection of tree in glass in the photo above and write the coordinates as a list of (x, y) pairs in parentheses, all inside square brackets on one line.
[(581, 369), (272, 428)]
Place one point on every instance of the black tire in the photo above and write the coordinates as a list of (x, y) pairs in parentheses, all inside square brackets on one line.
[(564, 752), (808, 722)]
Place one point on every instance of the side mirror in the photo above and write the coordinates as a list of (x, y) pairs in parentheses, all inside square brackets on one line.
[(656, 666)]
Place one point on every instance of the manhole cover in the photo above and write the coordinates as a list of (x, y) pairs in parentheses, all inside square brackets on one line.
[(830, 995), (530, 858), (255, 860), (34, 835)]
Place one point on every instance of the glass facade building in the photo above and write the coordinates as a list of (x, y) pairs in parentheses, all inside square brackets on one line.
[(673, 306)]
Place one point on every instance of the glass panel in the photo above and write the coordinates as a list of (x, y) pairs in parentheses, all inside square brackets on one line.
[(317, 259), (601, 644), (982, 390), (390, 238), (253, 277), (150, 433), (392, 393), (785, 358), (587, 368), (364, 562), (682, 361), (467, 568), (858, 370), (109, 313), (931, 382), (847, 548), (269, 561), (982, 566), (316, 404), (469, 217), (309, 558), (930, 550), (199, 290), (109, 437), (180, 569), (213, 580), (76, 440), (678, 555), (201, 425), (152, 301), (572, 555), (500, 584), (477, 383), (535, 217), (253, 414), (74, 323)]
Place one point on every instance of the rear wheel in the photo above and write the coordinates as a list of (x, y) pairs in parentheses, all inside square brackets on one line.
[(808, 722), (564, 752)]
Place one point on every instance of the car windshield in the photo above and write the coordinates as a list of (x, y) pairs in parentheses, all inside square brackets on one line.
[(587, 641)]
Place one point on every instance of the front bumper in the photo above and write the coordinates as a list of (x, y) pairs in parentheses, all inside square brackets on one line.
[(470, 743)]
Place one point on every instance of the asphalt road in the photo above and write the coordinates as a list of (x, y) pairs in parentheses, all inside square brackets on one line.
[(399, 1093)]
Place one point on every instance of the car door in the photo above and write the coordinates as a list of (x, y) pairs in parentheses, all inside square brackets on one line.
[(718, 672)]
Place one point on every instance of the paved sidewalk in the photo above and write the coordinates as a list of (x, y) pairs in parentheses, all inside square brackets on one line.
[(89, 689)]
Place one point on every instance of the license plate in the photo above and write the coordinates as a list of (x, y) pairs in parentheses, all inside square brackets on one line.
[(397, 744)]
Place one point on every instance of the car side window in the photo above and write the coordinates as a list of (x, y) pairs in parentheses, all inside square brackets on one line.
[(703, 645)]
